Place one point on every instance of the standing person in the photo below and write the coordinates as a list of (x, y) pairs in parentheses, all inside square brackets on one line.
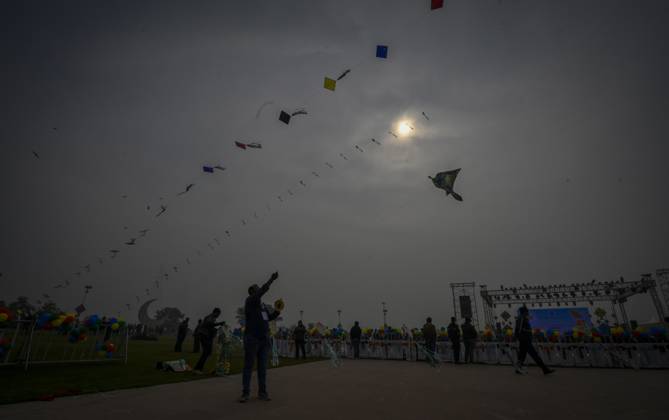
[(207, 336), (430, 335), (454, 336), (182, 330), (256, 339), (355, 334), (469, 336), (523, 334), (196, 337), (299, 334)]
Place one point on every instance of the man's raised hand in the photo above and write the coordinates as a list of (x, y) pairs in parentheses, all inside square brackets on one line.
[(275, 275)]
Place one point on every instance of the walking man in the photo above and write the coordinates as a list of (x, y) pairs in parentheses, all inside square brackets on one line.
[(355, 334), (299, 335), (430, 336), (454, 337), (207, 336), (469, 336), (256, 339), (523, 334), (182, 330)]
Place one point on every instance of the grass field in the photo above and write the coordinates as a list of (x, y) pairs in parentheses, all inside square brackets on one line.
[(44, 380)]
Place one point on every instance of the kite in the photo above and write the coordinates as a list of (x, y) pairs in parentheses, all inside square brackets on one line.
[(208, 169), (131, 241), (279, 198), (392, 134), (217, 241), (219, 167), (445, 181), (78, 273), (254, 145), (58, 286), (240, 145), (290, 192), (35, 154), (142, 232), (314, 173), (148, 207), (376, 142), (359, 148), (341, 76), (263, 106), (382, 51), (329, 165), (302, 183), (88, 268), (329, 84), (67, 282), (425, 115), (188, 187), (227, 232), (147, 291), (243, 222), (436, 4), (285, 117), (342, 156), (163, 209), (176, 269)]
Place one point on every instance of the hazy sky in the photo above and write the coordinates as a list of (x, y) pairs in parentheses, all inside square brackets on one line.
[(556, 111)]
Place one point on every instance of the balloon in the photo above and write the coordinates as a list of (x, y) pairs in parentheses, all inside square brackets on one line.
[(3, 317)]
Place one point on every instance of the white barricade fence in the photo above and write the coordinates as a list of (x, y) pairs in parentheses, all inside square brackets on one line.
[(29, 345), (603, 355)]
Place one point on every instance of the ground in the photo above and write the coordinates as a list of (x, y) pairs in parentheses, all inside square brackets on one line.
[(41, 381), (371, 389)]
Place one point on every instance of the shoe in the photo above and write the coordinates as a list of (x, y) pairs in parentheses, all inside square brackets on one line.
[(244, 398), (521, 371), (264, 397), (549, 371)]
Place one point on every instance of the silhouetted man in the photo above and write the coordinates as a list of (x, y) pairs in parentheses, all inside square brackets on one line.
[(256, 339), (469, 335), (430, 335), (196, 337), (355, 334), (182, 330), (207, 336), (523, 334), (454, 337), (299, 334)]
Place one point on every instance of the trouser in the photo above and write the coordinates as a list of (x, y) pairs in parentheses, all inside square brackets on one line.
[(526, 348), (196, 344), (456, 351), (356, 348), (180, 341), (299, 346), (469, 350), (207, 344), (255, 349)]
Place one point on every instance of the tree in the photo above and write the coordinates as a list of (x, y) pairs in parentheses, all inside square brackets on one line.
[(170, 318), (22, 307)]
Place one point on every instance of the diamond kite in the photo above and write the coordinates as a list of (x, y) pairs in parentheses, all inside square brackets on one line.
[(437, 4), (329, 84), (382, 51), (445, 181)]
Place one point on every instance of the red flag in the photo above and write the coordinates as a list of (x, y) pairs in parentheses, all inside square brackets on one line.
[(240, 145)]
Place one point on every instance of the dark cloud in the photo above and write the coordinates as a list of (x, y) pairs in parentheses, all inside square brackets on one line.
[(522, 95)]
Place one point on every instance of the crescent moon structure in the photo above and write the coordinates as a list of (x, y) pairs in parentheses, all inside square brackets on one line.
[(144, 318)]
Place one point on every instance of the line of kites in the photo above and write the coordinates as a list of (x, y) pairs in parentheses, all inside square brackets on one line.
[(443, 180)]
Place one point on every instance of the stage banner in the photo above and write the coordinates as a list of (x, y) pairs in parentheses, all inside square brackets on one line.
[(562, 319)]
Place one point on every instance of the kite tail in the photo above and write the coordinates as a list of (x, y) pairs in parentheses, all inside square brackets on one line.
[(456, 196)]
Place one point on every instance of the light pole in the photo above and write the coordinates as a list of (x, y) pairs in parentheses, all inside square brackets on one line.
[(301, 314), (385, 312), (339, 318)]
